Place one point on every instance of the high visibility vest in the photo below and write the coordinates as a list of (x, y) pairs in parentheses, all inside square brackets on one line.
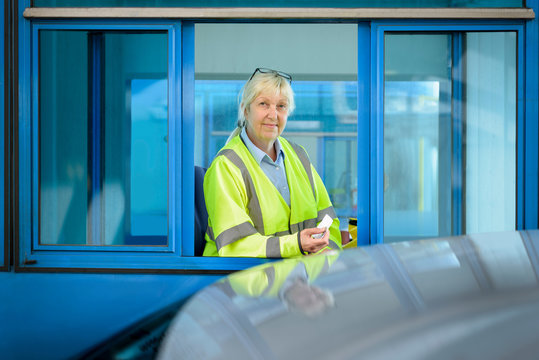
[(247, 216)]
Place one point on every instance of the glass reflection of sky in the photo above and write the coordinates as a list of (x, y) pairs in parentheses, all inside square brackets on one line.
[(148, 166), (411, 97), (326, 104), (412, 113)]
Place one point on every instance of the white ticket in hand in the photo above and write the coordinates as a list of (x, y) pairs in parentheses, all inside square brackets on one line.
[(325, 223)]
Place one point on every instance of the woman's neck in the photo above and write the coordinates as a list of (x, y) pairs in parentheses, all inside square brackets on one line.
[(268, 148)]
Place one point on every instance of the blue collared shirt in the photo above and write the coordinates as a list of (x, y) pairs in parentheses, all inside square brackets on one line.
[(274, 170)]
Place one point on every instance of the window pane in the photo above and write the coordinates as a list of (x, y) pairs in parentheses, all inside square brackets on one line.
[(491, 109), (63, 130), (103, 137), (324, 82), (148, 165), (281, 3), (417, 140)]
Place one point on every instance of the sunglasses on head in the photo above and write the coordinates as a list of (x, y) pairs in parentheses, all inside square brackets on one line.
[(270, 71)]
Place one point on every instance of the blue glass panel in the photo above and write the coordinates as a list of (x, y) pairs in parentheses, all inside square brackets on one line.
[(282, 3), (148, 157), (419, 149), (491, 111), (103, 137), (135, 138)]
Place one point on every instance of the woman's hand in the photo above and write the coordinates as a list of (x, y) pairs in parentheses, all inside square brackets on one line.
[(310, 244)]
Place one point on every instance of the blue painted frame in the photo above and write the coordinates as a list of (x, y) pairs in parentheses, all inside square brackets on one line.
[(96, 121), (173, 73), (377, 79), (187, 117), (23, 241), (363, 134), (457, 126), (530, 196)]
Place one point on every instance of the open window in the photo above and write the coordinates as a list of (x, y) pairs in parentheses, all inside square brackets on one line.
[(323, 61)]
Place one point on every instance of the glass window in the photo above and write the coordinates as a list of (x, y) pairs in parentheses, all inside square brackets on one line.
[(417, 142), (490, 128), (103, 137), (324, 81), (425, 100)]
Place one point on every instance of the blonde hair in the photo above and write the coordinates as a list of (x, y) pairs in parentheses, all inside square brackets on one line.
[(271, 83)]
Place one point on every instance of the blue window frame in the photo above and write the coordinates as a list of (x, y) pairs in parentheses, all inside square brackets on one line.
[(177, 253), (530, 146), (378, 178)]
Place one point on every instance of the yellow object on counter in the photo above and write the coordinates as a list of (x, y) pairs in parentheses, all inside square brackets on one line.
[(352, 229)]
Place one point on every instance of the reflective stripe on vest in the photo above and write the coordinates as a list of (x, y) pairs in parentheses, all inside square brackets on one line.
[(234, 233), (302, 155), (255, 211)]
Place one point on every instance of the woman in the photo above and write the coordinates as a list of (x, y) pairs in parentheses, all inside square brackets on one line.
[(263, 196)]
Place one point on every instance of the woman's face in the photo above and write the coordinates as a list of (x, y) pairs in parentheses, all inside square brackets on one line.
[(266, 118)]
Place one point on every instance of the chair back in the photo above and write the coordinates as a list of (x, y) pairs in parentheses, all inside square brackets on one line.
[(201, 214)]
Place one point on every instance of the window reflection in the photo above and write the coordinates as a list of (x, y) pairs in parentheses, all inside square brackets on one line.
[(412, 145), (148, 165), (504, 258), (103, 137), (449, 134), (490, 131)]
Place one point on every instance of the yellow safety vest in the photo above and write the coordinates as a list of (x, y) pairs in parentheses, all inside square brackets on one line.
[(266, 280), (247, 216)]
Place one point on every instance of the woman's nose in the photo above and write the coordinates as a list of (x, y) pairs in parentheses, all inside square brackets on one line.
[(273, 111)]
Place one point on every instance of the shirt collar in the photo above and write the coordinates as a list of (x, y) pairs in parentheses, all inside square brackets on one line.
[(258, 154)]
